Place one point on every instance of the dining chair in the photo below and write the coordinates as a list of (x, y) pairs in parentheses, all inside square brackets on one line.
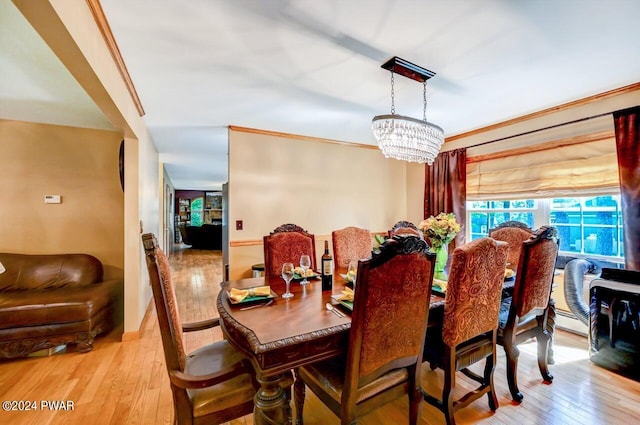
[(215, 383), (470, 323), (404, 227), (514, 233), (350, 243), (524, 315), (386, 339), (285, 245)]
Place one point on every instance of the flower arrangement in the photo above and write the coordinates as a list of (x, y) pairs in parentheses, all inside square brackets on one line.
[(440, 230)]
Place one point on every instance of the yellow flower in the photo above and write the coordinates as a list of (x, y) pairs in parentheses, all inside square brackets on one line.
[(441, 229)]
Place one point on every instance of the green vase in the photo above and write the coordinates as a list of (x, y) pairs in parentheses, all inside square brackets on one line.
[(441, 261)]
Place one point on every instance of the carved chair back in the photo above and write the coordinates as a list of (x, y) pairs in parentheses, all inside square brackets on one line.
[(514, 233), (164, 297), (405, 228), (524, 315), (472, 301), (350, 243), (213, 384), (386, 337), (389, 324), (389, 321), (470, 323), (536, 268), (285, 245)]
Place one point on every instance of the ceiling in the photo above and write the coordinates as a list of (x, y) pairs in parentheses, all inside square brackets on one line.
[(313, 67)]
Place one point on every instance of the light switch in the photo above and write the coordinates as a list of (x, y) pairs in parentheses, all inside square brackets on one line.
[(238, 224)]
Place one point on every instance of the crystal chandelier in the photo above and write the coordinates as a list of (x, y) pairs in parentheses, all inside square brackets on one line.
[(406, 138)]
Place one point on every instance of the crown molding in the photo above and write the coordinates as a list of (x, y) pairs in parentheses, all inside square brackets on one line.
[(112, 46)]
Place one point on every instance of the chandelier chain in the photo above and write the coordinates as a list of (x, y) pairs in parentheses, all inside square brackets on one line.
[(424, 96), (393, 103)]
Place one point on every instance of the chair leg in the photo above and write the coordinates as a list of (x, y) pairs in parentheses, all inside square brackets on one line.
[(513, 353), (299, 394), (447, 392), (544, 339), (551, 327), (415, 399), (489, 368), (613, 320)]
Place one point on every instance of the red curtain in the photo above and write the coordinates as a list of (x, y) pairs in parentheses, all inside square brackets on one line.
[(445, 187), (627, 127)]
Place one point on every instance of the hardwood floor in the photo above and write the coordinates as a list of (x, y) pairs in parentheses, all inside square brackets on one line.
[(126, 382)]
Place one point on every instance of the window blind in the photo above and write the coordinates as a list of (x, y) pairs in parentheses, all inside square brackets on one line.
[(583, 166)]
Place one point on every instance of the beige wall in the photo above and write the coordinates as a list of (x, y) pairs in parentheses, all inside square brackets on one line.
[(70, 30), (415, 192), (317, 184), (80, 165)]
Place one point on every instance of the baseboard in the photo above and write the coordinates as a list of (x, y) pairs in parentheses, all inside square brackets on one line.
[(134, 335), (569, 322)]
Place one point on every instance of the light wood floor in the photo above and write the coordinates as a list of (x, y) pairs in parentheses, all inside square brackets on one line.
[(126, 382)]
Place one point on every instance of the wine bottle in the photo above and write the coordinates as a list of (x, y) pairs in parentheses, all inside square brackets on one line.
[(327, 268)]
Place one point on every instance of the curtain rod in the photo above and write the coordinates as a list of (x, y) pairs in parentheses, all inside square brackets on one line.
[(542, 129)]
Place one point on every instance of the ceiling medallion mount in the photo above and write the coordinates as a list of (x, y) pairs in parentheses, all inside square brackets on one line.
[(405, 138)]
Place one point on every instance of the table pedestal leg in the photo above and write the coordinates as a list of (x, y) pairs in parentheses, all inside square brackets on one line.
[(270, 403)]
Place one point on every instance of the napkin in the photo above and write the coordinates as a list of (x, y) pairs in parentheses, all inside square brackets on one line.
[(347, 295), (238, 295), (440, 285)]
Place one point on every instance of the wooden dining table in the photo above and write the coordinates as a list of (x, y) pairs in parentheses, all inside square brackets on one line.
[(287, 334)]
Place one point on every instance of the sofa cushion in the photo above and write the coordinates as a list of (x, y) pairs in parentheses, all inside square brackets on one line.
[(34, 272), (52, 306)]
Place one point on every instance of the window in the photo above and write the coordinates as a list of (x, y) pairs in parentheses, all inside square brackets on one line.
[(485, 215), (590, 225), (197, 211), (586, 225)]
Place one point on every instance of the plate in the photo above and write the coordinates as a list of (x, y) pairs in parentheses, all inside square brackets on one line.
[(347, 304), (510, 278), (252, 300), (315, 275), (435, 290), (344, 276)]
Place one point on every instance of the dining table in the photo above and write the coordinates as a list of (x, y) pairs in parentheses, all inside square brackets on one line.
[(287, 333)]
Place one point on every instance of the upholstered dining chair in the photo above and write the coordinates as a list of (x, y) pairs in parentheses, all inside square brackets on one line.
[(470, 324), (285, 245), (350, 243), (213, 384), (386, 339), (524, 315), (513, 233), (404, 227)]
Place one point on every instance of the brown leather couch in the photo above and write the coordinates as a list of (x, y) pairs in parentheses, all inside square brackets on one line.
[(52, 300)]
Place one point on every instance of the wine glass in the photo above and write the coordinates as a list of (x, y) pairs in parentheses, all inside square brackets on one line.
[(287, 275), (305, 263), (352, 271)]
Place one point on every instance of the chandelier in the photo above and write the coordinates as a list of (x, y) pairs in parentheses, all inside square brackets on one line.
[(406, 138)]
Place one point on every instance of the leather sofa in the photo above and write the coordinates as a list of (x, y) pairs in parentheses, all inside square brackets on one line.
[(52, 300), (207, 236)]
